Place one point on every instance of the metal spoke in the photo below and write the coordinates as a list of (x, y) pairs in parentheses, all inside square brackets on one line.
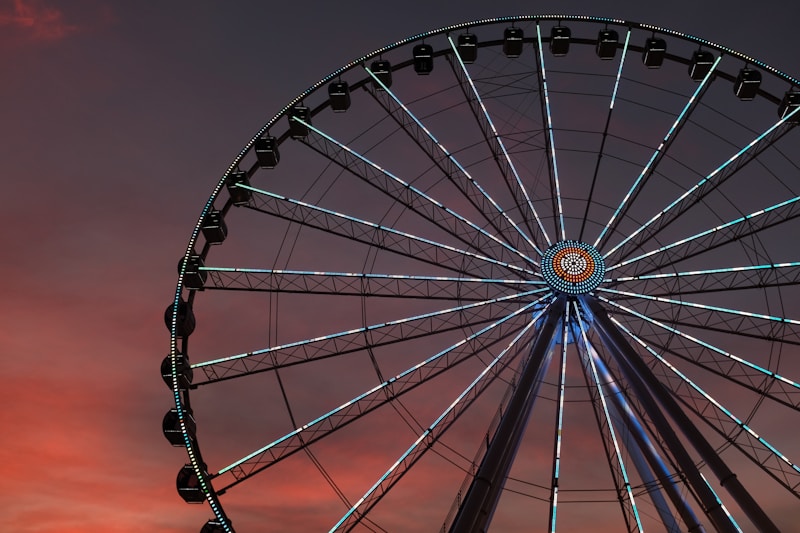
[(410, 196), (371, 399), (722, 505), (601, 150), (715, 318), (655, 159), (723, 363), (714, 279), (495, 143), (373, 234), (478, 197), (715, 237), (701, 189), (372, 336), (722, 420), (491, 432), (590, 358), (480, 501), (650, 390), (559, 426), (768, 332), (713, 308), (431, 434), (558, 210), (363, 284), (633, 415)]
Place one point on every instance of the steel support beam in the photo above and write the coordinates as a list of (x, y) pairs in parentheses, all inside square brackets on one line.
[(641, 463), (483, 494), (622, 411), (655, 398)]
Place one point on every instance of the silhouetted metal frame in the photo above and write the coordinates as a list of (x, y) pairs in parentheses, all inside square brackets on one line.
[(483, 495), (180, 344), (656, 400)]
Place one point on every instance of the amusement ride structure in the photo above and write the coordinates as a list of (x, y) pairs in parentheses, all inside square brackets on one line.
[(522, 273)]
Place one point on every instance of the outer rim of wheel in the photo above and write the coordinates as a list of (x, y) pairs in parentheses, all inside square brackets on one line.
[(191, 446)]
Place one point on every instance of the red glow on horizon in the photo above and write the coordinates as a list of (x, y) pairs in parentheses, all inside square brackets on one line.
[(38, 21)]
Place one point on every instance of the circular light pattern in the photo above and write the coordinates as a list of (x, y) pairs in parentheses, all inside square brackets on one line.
[(573, 267)]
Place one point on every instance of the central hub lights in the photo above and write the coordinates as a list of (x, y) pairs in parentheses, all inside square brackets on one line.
[(573, 267)]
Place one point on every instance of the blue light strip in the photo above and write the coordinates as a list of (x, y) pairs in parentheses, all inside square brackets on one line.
[(619, 71), (387, 229), (780, 456), (415, 190), (372, 327), (562, 378), (383, 386), (726, 225), (457, 164), (700, 183), (499, 139), (684, 303), (592, 357), (722, 505), (551, 134), (367, 275), (430, 434), (707, 272), (704, 344), (646, 170)]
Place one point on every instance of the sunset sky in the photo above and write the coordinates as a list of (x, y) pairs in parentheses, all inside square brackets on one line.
[(117, 120)]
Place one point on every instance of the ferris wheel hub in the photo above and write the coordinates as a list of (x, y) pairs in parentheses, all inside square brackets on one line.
[(573, 267)]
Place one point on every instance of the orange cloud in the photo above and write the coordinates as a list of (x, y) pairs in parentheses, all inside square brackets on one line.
[(40, 22)]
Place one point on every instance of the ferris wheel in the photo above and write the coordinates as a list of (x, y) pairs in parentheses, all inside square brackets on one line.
[(522, 273)]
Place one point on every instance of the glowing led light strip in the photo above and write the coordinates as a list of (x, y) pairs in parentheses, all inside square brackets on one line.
[(382, 387), (722, 505), (704, 344), (678, 121), (498, 139), (562, 377), (601, 150), (413, 189), (696, 236), (619, 71), (358, 283), (369, 328), (591, 356), (387, 229), (709, 398), (766, 266), (371, 276), (684, 303), (430, 433), (551, 135), (701, 183), (457, 164)]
